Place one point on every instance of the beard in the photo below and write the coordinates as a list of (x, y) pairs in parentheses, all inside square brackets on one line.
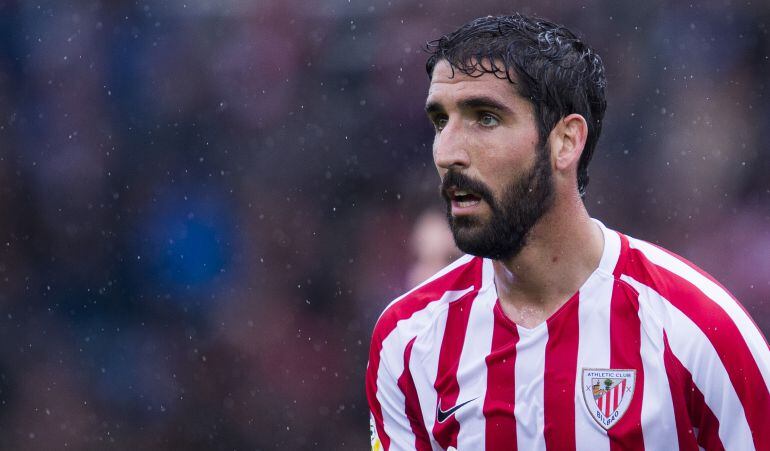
[(523, 202)]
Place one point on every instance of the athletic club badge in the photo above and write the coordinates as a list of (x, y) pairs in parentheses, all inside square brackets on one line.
[(608, 393)]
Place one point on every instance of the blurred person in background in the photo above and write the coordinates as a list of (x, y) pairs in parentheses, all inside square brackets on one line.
[(432, 245), (554, 331)]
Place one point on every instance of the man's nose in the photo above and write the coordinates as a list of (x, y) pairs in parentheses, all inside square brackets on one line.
[(450, 146)]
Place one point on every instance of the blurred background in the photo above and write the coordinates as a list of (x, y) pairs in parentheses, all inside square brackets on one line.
[(204, 205)]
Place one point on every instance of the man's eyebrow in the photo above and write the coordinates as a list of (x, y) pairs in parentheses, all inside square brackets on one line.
[(433, 108), (484, 102), (471, 103)]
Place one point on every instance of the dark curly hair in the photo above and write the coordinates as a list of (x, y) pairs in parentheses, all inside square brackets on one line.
[(546, 62)]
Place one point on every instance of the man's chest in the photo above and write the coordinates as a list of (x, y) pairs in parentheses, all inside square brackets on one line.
[(538, 386)]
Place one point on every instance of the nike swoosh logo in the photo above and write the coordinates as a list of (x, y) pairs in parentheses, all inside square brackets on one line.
[(443, 415)]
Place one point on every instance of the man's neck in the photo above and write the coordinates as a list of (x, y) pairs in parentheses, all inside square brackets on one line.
[(562, 251)]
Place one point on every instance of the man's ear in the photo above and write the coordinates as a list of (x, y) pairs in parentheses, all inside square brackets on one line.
[(569, 138)]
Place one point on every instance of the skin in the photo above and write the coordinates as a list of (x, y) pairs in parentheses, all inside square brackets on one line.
[(492, 144)]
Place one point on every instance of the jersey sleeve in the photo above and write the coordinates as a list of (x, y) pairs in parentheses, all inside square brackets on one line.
[(716, 358), (389, 425), (719, 364)]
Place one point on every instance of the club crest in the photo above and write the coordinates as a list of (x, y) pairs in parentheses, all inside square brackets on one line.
[(608, 393)]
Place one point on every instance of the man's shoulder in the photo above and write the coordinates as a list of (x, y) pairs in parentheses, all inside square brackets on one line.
[(665, 271), (704, 327), (679, 287), (450, 283)]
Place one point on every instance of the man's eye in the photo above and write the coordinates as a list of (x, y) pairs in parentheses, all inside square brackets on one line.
[(488, 120), (440, 123)]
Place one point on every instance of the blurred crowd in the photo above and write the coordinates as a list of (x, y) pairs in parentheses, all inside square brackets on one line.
[(205, 205)]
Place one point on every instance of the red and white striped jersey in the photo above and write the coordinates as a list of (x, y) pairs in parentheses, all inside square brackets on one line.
[(651, 353)]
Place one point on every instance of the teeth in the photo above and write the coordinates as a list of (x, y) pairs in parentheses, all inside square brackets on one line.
[(460, 192), (467, 203)]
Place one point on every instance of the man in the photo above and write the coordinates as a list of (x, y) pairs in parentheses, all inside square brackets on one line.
[(554, 332)]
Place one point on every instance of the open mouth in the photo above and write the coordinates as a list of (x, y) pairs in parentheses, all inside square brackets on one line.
[(464, 198)]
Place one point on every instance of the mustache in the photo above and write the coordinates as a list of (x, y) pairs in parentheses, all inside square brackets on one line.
[(460, 181)]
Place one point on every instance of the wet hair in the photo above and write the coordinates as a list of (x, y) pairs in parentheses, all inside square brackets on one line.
[(547, 63)]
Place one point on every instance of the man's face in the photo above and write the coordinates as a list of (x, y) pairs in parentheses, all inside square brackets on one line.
[(496, 178)]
